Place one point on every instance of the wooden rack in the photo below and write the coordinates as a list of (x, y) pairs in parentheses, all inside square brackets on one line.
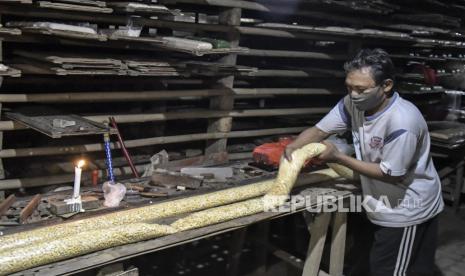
[(280, 78)]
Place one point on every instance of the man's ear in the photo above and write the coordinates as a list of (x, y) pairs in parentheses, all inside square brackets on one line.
[(388, 85)]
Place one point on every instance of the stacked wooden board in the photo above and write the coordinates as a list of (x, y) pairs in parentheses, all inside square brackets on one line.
[(237, 71)]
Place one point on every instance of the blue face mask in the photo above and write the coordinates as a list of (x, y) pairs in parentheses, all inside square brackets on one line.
[(368, 100)]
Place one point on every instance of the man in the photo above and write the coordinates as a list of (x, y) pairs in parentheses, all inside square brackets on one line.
[(400, 184)]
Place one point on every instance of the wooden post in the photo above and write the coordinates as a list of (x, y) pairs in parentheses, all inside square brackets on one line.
[(228, 17), (458, 186), (338, 241), (6, 204), (237, 244), (2, 171), (318, 227), (263, 230)]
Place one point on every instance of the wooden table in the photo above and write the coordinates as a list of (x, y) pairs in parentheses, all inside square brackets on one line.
[(317, 224)]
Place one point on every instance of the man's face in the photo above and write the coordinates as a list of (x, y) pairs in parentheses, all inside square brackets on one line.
[(360, 81), (364, 93)]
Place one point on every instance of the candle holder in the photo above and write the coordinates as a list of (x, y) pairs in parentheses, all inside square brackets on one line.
[(74, 204)]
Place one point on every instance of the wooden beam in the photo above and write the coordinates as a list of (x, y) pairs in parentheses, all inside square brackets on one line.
[(289, 74), (80, 97), (29, 209), (224, 3), (261, 31), (292, 54), (236, 245), (6, 204), (259, 92), (199, 114), (76, 149), (122, 96), (318, 227), (338, 242)]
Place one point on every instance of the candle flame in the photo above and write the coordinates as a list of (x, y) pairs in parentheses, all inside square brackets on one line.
[(81, 163)]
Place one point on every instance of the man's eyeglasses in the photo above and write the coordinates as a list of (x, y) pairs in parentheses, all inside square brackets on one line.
[(361, 90)]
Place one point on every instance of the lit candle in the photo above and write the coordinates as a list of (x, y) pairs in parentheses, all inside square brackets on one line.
[(77, 178)]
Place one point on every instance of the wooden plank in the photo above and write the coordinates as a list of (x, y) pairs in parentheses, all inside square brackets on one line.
[(287, 258), (45, 125), (18, 1), (101, 4), (29, 209), (66, 34), (6, 204), (9, 31), (141, 7), (318, 227), (338, 242), (204, 160), (73, 7)]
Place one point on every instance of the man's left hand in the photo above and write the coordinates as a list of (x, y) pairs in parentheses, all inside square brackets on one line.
[(330, 154)]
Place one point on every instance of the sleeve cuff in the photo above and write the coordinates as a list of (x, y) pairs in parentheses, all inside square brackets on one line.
[(386, 168), (322, 128)]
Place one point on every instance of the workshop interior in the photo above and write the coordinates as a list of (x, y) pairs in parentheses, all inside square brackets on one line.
[(232, 137)]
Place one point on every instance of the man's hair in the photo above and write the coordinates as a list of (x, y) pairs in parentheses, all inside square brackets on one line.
[(377, 60)]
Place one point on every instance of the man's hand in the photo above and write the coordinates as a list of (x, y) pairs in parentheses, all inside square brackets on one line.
[(330, 154), (288, 152)]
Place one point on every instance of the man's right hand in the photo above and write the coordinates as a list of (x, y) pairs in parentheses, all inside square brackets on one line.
[(288, 152)]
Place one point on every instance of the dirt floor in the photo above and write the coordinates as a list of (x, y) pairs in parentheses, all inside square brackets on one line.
[(450, 256)]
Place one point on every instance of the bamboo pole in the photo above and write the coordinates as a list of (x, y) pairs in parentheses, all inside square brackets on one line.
[(283, 73), (80, 97), (305, 73), (263, 31), (47, 151), (291, 54), (259, 92), (122, 96), (227, 3), (200, 114)]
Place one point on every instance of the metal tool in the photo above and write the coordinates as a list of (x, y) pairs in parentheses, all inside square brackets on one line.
[(123, 147), (106, 140)]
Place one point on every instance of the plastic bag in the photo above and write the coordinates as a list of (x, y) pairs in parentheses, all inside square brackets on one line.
[(113, 193), (156, 160)]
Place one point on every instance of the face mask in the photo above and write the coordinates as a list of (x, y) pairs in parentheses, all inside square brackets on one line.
[(368, 101)]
